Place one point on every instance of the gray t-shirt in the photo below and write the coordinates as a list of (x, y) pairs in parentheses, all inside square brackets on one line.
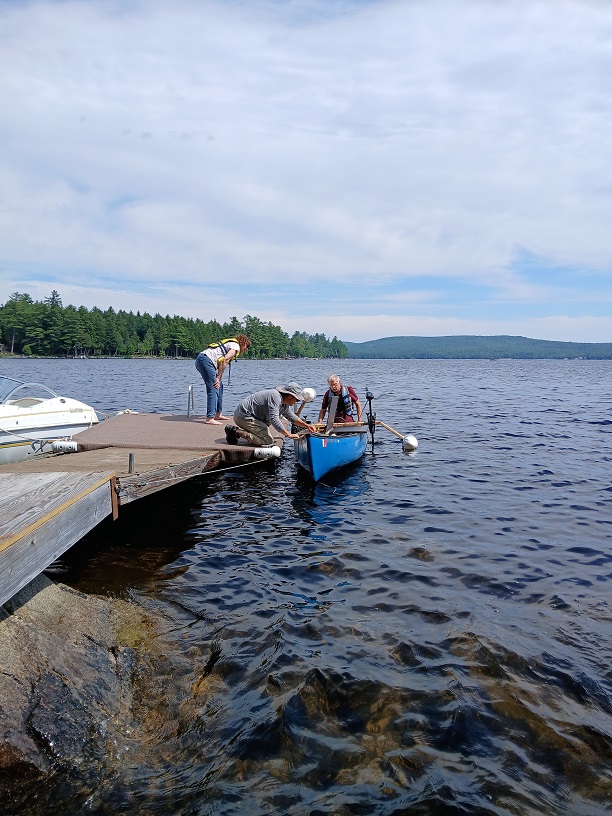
[(266, 406)]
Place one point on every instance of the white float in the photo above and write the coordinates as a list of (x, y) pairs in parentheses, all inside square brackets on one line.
[(273, 452), (308, 394), (410, 443)]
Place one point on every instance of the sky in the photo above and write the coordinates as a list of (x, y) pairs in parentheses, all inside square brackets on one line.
[(359, 168)]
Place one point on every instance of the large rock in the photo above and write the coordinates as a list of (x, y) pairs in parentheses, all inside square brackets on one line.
[(66, 684)]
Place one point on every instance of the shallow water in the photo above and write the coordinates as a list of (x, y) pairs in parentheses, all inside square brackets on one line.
[(424, 634)]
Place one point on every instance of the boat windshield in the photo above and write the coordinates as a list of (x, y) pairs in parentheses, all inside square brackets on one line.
[(11, 389)]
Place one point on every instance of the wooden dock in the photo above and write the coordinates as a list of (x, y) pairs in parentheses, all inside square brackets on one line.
[(48, 503)]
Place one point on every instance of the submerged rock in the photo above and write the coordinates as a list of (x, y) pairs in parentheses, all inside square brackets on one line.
[(67, 662)]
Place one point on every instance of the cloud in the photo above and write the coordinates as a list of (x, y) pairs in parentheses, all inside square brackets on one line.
[(372, 157)]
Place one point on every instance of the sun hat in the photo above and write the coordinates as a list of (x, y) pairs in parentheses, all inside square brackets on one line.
[(291, 388)]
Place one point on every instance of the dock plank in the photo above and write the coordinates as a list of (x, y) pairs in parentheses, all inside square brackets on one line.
[(27, 502), (41, 519)]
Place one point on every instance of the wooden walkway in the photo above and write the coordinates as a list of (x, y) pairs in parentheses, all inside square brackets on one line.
[(48, 503), (42, 517)]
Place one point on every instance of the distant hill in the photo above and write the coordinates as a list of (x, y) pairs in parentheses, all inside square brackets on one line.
[(473, 347)]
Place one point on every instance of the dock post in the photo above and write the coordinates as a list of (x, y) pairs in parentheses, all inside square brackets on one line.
[(131, 463), (190, 401)]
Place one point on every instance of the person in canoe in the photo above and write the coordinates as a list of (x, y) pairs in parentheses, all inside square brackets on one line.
[(349, 408), (211, 363), (256, 413)]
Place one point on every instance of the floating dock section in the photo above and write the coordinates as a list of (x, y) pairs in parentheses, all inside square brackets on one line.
[(48, 503)]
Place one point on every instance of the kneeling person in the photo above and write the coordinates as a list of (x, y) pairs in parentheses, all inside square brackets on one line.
[(255, 414)]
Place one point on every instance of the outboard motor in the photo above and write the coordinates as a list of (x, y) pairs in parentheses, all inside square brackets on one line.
[(371, 415)]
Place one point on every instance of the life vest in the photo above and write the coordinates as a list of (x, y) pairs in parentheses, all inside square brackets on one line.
[(346, 398), (221, 345)]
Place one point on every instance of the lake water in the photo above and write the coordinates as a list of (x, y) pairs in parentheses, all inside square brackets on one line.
[(425, 634)]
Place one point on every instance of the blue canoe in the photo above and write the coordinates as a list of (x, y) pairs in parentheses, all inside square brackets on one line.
[(319, 454)]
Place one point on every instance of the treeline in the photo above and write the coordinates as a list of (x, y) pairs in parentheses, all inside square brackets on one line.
[(466, 347), (47, 328)]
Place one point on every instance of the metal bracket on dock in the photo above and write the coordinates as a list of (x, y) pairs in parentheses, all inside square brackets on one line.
[(114, 497)]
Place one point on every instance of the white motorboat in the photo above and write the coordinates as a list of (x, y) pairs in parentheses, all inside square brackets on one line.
[(33, 416)]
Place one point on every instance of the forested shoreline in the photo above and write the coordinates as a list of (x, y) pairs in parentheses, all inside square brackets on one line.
[(47, 328)]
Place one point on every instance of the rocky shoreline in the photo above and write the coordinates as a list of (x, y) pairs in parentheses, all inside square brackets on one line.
[(72, 665)]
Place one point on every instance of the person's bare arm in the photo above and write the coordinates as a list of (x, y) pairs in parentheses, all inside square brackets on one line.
[(222, 364)]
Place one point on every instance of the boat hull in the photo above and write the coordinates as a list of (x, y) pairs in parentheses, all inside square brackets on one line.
[(29, 430), (319, 454)]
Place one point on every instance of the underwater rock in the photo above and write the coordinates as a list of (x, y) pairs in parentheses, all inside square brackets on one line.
[(65, 690)]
